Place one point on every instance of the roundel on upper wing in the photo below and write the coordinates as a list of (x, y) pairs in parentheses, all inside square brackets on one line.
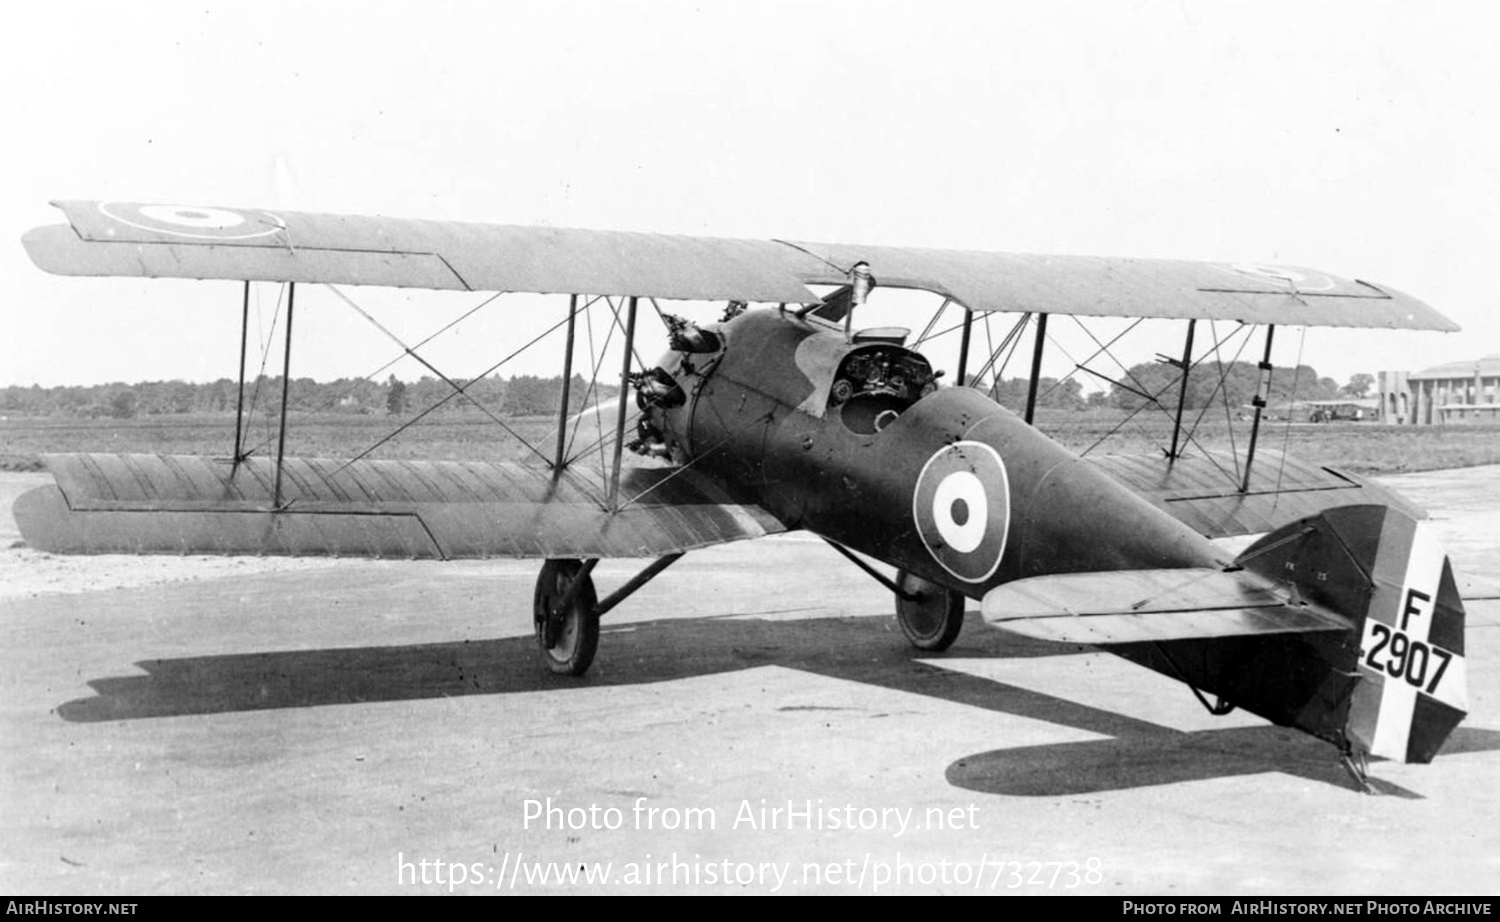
[(197, 222), (962, 509), (1296, 279)]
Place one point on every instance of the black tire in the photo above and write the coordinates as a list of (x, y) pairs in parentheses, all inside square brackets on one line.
[(931, 620), (568, 639)]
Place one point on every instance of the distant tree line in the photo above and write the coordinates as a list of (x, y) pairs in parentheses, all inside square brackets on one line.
[(1011, 393), (529, 395), (1236, 384), (522, 395), (1161, 381)]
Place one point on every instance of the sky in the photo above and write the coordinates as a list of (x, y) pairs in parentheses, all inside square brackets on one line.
[(1359, 138)]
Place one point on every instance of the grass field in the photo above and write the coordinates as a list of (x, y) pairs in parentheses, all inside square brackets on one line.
[(1356, 447)]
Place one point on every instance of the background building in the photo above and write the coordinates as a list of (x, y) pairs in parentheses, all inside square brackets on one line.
[(1450, 393)]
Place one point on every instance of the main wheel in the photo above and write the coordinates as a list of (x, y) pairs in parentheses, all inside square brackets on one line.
[(568, 638), (931, 619)]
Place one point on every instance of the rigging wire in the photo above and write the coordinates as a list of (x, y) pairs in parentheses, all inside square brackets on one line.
[(605, 440), (588, 319), (346, 392), (449, 396), (1223, 376), (1287, 432), (1151, 399), (446, 327), (937, 315), (1015, 344), (696, 458), (1013, 338), (1105, 349), (1084, 365), (957, 326), (1234, 452), (989, 342), (1190, 434), (462, 390), (260, 376)]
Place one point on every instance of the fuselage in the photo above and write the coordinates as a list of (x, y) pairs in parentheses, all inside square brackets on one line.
[(854, 441)]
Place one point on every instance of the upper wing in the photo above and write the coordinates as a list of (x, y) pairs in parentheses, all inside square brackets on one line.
[(176, 241), (1110, 287), (413, 509)]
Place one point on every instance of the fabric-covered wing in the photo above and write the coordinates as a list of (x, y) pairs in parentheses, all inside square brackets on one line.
[(1202, 490), (1110, 287), (177, 241), (142, 504)]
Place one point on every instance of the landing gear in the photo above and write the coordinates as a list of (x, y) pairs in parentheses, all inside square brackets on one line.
[(567, 617), (930, 615), (567, 611)]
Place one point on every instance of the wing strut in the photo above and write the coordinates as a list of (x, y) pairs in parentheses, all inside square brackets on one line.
[(1036, 365), (567, 386), (1259, 403), (1187, 366), (239, 410), (286, 387), (614, 480), (963, 347)]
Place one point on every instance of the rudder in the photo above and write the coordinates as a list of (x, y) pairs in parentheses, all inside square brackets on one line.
[(1384, 570)]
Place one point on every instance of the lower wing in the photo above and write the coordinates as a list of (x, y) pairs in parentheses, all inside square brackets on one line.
[(154, 504), (1203, 490)]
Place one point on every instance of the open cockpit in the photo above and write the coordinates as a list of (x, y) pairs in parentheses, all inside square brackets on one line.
[(877, 379)]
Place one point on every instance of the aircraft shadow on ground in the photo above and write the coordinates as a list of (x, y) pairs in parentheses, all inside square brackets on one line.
[(862, 649), (871, 650), (1169, 757)]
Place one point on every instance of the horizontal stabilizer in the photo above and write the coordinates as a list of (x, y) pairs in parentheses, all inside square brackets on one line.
[(1134, 606)]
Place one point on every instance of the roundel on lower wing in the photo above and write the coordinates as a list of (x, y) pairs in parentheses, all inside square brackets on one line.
[(197, 222), (962, 509)]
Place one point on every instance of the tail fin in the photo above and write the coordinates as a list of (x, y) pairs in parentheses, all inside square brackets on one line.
[(1385, 571)]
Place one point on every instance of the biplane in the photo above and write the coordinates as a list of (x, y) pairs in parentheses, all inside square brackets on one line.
[(1336, 612), (1332, 411)]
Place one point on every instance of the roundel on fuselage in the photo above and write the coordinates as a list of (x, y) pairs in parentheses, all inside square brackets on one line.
[(962, 509)]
